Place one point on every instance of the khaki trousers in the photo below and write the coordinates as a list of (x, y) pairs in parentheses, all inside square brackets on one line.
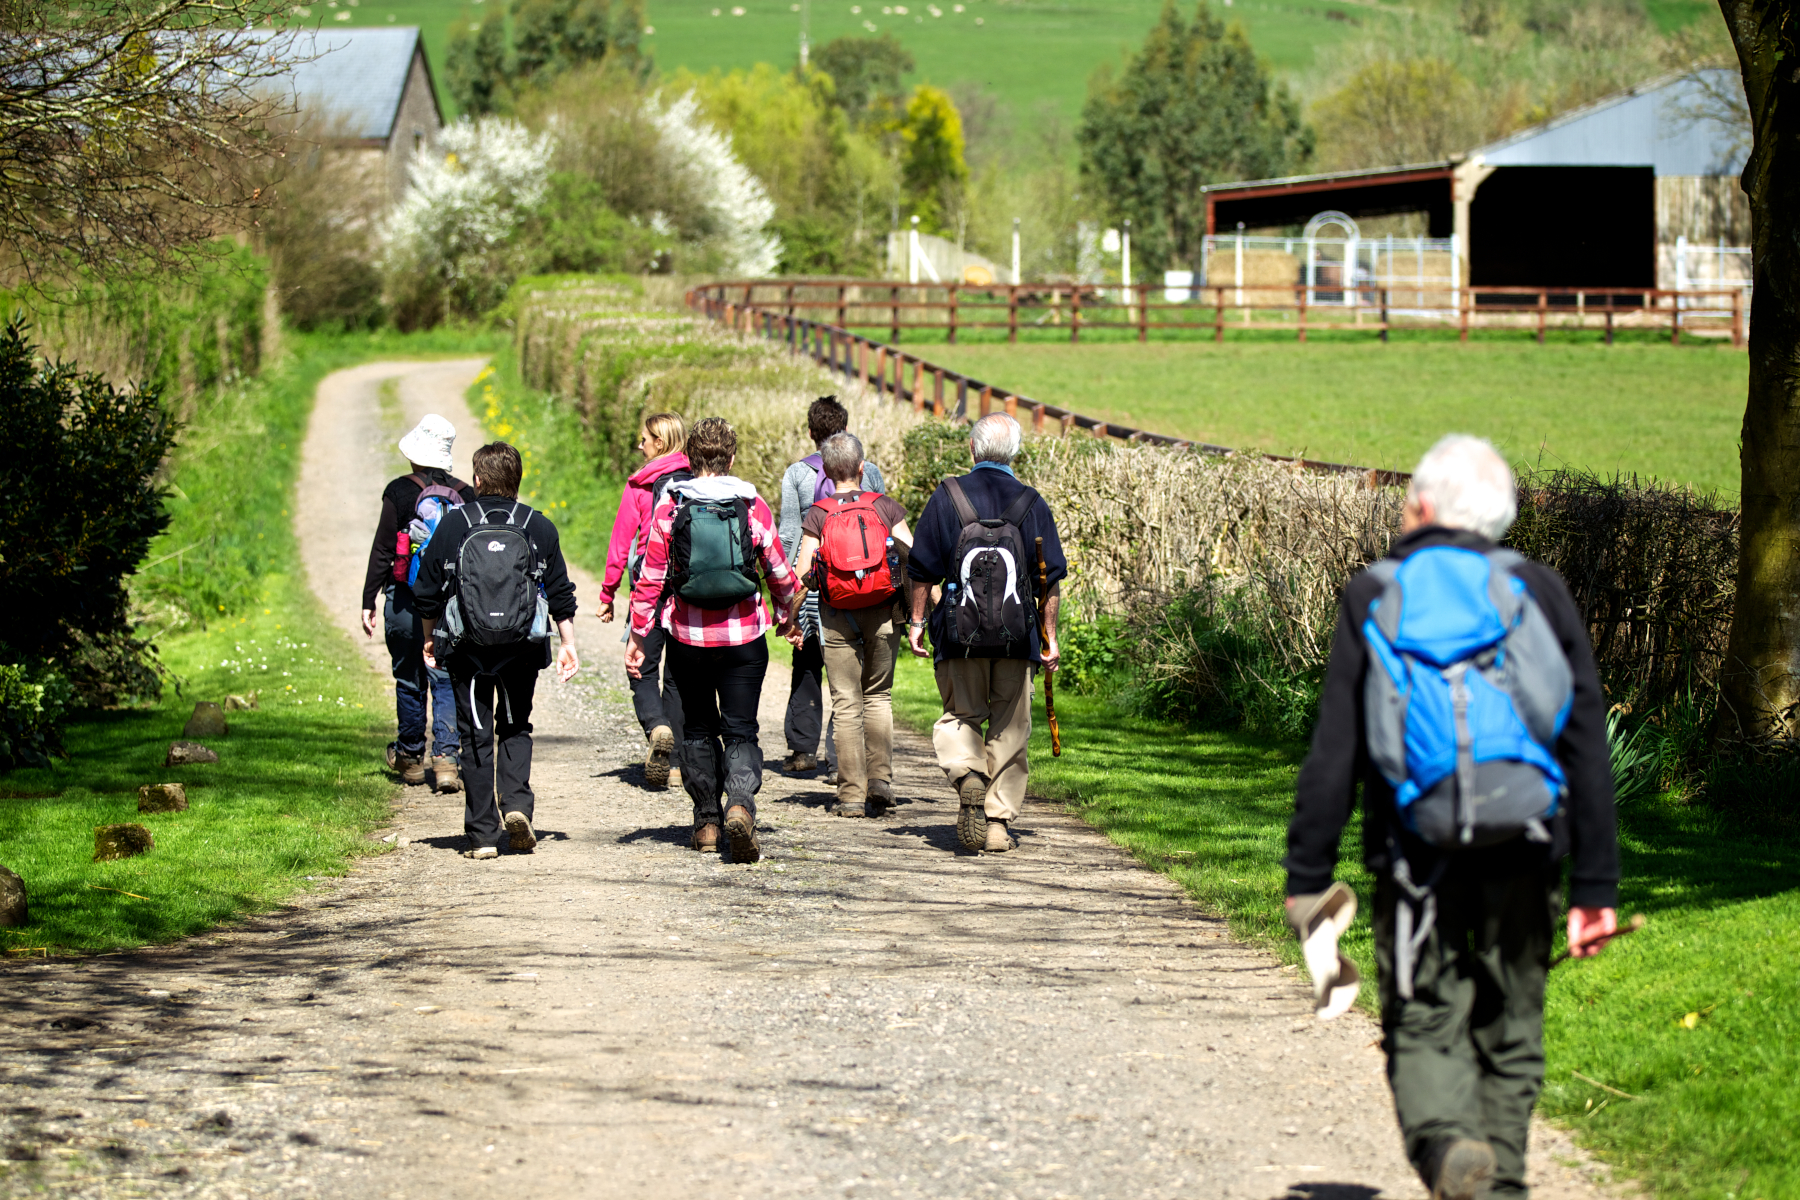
[(859, 648), (995, 693)]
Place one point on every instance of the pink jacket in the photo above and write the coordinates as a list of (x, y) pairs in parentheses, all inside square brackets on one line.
[(634, 514)]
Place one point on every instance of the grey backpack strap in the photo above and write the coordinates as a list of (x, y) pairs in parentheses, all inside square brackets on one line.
[(965, 512)]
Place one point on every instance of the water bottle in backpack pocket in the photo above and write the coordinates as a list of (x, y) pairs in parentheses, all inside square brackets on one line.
[(433, 502), (498, 598), (1464, 699), (989, 590)]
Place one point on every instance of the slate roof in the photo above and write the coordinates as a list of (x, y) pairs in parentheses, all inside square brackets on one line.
[(358, 73)]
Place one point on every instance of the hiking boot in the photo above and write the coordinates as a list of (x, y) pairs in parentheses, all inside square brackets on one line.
[(482, 852), (656, 761), (998, 840), (1464, 1169), (840, 809), (830, 777), (706, 839), (972, 822), (881, 799), (410, 766), (740, 830), (449, 779), (799, 761), (518, 828)]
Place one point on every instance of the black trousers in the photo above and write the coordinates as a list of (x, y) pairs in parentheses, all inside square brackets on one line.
[(493, 717), (654, 696), (721, 687), (805, 710)]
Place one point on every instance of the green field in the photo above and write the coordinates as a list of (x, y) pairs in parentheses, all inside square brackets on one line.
[(1649, 409)]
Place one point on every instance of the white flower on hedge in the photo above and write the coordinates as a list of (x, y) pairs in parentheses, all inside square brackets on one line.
[(738, 206), (467, 194)]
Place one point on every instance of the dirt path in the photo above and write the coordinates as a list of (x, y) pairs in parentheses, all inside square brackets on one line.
[(864, 1012)]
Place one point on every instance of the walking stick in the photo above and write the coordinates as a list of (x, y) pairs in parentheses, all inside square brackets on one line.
[(1043, 600), (1636, 923)]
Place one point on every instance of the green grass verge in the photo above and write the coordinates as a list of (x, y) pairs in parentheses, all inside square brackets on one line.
[(299, 783), (1716, 1103), (1644, 409)]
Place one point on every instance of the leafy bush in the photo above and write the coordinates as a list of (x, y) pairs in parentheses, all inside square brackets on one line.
[(1094, 655), (81, 477), (1207, 660), (32, 704)]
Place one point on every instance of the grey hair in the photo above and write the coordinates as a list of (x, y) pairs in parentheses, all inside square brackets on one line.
[(1469, 485), (842, 454), (995, 438)]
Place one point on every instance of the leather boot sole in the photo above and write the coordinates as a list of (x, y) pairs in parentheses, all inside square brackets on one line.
[(740, 830), (1464, 1171), (972, 822), (518, 828), (656, 762)]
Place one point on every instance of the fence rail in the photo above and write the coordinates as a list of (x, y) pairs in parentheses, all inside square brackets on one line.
[(1299, 309), (945, 392)]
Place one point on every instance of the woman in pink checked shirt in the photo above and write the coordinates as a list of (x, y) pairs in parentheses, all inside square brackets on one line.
[(716, 656)]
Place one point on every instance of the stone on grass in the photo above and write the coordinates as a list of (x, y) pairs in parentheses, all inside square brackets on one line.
[(240, 703), (208, 721), (13, 909), (121, 841), (162, 797), (182, 754)]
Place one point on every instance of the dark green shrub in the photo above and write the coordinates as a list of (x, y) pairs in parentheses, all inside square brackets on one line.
[(1094, 654)]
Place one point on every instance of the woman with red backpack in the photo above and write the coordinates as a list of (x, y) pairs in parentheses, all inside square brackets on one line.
[(662, 440), (853, 549)]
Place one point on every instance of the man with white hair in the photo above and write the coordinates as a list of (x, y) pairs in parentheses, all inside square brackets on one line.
[(1462, 695), (979, 538)]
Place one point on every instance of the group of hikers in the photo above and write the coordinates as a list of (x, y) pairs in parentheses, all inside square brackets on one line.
[(1461, 700)]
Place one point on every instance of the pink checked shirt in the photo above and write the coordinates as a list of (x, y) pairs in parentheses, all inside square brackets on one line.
[(738, 625)]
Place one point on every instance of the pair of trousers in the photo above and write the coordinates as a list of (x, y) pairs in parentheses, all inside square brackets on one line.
[(805, 715), (721, 760), (493, 713), (654, 696), (1466, 1053), (404, 632), (860, 647), (986, 727)]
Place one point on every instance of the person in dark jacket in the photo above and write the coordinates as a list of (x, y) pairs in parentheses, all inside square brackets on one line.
[(981, 739), (1464, 1029), (427, 450), (495, 683)]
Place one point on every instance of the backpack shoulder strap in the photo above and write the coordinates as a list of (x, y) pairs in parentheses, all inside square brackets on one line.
[(965, 512), (1015, 512)]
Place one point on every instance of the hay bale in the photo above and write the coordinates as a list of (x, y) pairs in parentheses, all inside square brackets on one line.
[(162, 797), (121, 841)]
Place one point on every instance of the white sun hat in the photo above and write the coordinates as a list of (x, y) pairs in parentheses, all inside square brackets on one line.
[(429, 443)]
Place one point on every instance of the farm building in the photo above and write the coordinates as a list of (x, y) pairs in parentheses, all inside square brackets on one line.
[(1638, 190), (374, 89)]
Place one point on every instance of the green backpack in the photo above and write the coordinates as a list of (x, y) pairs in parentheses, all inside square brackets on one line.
[(712, 559)]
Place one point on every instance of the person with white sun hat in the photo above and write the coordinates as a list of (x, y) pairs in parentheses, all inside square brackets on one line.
[(411, 506)]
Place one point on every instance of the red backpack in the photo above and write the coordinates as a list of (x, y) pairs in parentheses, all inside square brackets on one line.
[(855, 553)]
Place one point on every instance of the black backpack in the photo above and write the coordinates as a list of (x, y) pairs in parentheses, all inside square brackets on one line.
[(499, 595), (989, 591), (712, 557)]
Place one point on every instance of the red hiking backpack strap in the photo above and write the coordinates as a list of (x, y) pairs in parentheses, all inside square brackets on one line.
[(855, 548)]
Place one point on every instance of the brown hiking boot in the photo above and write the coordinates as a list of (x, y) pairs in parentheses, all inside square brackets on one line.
[(449, 779), (972, 822), (741, 831), (998, 840), (799, 761), (880, 800), (1464, 1169), (656, 760), (840, 809), (518, 828), (410, 766), (706, 839)]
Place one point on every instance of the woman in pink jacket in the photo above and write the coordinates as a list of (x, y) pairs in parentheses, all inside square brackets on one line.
[(662, 439)]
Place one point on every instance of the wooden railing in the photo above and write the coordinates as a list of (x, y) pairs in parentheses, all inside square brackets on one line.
[(927, 386), (1144, 309)]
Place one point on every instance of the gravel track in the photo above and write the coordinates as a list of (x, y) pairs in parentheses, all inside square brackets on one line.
[(867, 1011)]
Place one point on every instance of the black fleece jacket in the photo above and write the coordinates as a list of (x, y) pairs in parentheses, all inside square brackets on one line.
[(1584, 829), (433, 591), (398, 500)]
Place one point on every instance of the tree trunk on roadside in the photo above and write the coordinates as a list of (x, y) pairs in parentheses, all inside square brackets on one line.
[(1761, 684)]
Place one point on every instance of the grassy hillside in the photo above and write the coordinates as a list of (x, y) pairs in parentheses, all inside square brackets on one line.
[(1673, 413)]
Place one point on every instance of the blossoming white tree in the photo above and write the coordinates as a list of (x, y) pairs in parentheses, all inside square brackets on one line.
[(465, 197), (737, 205)]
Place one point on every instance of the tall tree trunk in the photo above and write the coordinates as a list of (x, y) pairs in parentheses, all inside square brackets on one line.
[(1761, 684)]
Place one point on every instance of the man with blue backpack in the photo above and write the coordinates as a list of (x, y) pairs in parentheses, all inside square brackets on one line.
[(1462, 695), (411, 507)]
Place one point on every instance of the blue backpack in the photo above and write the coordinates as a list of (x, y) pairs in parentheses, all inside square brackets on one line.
[(1466, 698)]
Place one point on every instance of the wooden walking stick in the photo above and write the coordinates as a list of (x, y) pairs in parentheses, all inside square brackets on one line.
[(1043, 601), (1636, 923)]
